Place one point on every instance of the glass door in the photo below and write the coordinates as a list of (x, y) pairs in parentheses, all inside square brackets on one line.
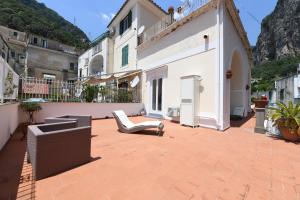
[(156, 95)]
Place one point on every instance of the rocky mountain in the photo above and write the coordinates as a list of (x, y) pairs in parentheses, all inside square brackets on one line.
[(34, 17), (280, 33)]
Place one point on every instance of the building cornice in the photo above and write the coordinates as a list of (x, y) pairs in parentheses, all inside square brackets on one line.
[(233, 12), (126, 2)]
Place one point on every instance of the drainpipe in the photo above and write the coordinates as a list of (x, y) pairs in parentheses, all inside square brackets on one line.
[(219, 126)]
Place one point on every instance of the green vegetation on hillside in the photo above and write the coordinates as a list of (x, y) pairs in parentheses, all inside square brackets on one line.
[(31, 16), (267, 73)]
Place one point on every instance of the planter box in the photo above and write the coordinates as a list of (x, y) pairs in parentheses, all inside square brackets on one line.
[(261, 103), (287, 135)]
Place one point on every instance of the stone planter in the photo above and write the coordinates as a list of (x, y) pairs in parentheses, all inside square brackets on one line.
[(287, 135), (261, 103)]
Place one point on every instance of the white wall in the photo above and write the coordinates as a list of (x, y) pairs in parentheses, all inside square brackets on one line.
[(233, 43), (105, 53), (184, 52), (97, 110), (129, 37), (146, 17), (183, 39), (9, 121)]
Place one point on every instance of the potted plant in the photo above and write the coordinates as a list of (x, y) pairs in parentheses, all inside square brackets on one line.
[(30, 108), (90, 92), (229, 74), (261, 102), (287, 119)]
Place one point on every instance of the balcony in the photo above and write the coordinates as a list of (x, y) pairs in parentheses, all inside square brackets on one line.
[(182, 12)]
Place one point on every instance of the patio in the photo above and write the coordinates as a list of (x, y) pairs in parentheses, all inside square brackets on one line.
[(184, 163)]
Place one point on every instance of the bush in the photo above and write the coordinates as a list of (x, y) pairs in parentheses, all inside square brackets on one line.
[(90, 92)]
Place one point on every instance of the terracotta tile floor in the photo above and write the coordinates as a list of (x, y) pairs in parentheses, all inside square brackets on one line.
[(184, 164)]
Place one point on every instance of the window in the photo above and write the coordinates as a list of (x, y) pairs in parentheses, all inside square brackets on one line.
[(44, 43), (281, 95), (86, 62), (16, 34), (159, 93), (125, 23), (13, 54), (35, 40), (49, 78), (154, 94), (125, 56), (72, 66), (80, 73)]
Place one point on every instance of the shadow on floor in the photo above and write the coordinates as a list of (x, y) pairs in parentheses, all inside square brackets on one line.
[(241, 122), (146, 132), (16, 178)]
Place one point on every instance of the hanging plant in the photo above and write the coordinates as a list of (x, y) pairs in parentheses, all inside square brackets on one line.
[(229, 74)]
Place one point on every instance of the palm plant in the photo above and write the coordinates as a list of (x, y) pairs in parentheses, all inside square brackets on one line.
[(90, 92), (30, 108), (286, 116)]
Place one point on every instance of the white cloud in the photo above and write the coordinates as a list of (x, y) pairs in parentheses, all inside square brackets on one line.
[(106, 17)]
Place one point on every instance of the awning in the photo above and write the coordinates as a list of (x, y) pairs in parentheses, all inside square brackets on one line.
[(112, 76)]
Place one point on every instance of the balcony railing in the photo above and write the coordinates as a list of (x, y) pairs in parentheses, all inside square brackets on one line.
[(188, 7), (156, 29), (51, 90)]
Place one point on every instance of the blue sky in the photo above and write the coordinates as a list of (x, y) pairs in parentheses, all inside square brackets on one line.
[(92, 16)]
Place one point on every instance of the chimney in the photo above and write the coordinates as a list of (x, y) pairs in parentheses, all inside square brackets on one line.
[(171, 12)]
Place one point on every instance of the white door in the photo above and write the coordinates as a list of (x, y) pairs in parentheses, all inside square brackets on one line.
[(156, 95)]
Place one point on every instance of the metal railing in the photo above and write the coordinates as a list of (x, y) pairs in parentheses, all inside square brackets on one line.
[(188, 7), (156, 29), (113, 94), (49, 90)]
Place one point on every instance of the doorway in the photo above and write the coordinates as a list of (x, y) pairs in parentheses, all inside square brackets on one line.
[(156, 96)]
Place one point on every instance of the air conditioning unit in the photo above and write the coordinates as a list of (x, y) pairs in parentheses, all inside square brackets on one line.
[(173, 112), (190, 100)]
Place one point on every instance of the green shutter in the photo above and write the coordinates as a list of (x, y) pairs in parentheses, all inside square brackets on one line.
[(125, 55)]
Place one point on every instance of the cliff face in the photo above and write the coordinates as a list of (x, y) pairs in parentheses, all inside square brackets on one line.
[(34, 17), (280, 33)]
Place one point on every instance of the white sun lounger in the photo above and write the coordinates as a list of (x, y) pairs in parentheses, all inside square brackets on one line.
[(127, 126)]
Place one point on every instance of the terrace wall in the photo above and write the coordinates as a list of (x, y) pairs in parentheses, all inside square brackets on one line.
[(97, 110), (9, 121), (11, 116)]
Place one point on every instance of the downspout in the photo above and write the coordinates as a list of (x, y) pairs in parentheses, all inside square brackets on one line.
[(219, 64)]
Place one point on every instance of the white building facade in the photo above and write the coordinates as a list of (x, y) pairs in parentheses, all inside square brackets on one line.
[(207, 42), (98, 59)]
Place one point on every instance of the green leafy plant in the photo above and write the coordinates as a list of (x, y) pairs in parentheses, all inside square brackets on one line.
[(30, 108), (124, 96), (90, 92), (287, 116)]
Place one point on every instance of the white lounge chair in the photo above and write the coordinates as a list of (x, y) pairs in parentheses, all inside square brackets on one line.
[(127, 126)]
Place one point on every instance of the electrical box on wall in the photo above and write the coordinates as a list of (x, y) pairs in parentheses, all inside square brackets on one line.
[(190, 100)]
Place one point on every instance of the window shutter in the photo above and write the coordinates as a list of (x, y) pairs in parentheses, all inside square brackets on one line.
[(125, 56), (121, 27), (129, 19)]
